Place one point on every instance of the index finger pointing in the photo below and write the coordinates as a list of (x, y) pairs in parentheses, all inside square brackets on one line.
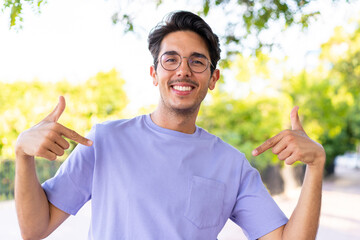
[(71, 134), (271, 142)]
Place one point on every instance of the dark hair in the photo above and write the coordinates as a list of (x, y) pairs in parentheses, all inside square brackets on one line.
[(183, 21)]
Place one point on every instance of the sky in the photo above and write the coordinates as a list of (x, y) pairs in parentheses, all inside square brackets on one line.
[(75, 39)]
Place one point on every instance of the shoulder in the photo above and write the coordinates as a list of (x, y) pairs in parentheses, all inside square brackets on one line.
[(114, 129), (219, 142), (223, 148), (117, 125)]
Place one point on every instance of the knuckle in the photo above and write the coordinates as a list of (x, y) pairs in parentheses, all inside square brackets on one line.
[(51, 134), (73, 134), (39, 152), (43, 143), (287, 132), (269, 142), (53, 125), (297, 151), (289, 138)]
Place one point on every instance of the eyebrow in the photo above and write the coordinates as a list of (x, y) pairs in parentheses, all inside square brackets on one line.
[(171, 53), (196, 54)]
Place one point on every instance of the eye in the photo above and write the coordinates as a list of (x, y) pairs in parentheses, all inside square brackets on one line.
[(198, 61), (170, 59)]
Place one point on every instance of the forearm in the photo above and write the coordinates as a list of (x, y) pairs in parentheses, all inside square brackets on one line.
[(304, 221), (31, 202), (37, 217)]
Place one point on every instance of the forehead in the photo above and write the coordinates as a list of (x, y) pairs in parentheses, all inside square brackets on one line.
[(185, 43)]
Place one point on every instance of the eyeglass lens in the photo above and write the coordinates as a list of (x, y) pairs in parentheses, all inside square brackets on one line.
[(197, 63)]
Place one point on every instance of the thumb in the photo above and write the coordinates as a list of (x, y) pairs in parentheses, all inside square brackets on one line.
[(295, 120), (56, 113)]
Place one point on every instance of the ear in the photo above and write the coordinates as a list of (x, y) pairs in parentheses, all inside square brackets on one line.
[(153, 75), (214, 78)]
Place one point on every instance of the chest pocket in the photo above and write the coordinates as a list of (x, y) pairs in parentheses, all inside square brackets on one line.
[(205, 202)]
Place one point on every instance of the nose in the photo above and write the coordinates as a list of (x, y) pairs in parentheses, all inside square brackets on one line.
[(183, 70)]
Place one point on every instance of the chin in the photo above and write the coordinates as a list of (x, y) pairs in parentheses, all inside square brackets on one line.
[(185, 110)]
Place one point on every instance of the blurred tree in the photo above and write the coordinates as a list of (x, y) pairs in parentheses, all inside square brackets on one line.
[(246, 120), (246, 123), (328, 96), (324, 110), (331, 94), (23, 104), (252, 17)]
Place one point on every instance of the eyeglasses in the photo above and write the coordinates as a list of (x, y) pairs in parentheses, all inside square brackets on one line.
[(197, 62)]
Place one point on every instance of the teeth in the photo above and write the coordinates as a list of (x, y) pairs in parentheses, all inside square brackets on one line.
[(182, 88)]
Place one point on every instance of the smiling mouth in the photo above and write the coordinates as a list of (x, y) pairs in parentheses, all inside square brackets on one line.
[(183, 85), (182, 88)]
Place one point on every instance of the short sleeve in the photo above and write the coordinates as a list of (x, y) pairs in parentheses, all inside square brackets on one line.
[(255, 210), (71, 186)]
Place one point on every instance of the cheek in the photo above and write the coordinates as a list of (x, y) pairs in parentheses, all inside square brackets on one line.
[(162, 76)]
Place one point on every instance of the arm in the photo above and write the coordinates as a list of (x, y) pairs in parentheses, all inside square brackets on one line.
[(291, 146), (37, 217), (307, 212), (35, 214)]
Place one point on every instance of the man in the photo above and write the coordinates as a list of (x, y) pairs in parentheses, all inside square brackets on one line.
[(159, 176)]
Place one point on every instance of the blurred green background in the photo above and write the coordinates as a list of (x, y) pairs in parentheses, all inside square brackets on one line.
[(248, 106)]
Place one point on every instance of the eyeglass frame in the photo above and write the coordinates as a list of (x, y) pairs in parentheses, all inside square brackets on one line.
[(181, 60)]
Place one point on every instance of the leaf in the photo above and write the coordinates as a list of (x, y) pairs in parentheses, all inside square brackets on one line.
[(206, 7)]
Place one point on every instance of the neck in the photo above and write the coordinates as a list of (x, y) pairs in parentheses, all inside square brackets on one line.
[(176, 121)]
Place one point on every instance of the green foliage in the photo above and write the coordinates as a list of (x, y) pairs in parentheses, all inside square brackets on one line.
[(325, 111), (23, 104), (125, 19), (245, 123), (329, 96), (16, 9), (45, 169), (329, 100), (7, 175), (259, 15), (332, 96), (106, 89), (253, 16), (247, 120)]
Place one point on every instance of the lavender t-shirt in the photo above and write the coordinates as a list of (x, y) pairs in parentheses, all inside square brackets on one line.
[(147, 182)]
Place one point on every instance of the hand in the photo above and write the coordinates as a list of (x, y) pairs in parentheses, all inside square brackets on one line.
[(45, 139), (294, 145)]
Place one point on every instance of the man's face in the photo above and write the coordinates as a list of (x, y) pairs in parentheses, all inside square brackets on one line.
[(183, 90)]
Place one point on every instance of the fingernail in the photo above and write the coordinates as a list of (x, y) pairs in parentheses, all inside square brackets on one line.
[(89, 142), (255, 152)]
